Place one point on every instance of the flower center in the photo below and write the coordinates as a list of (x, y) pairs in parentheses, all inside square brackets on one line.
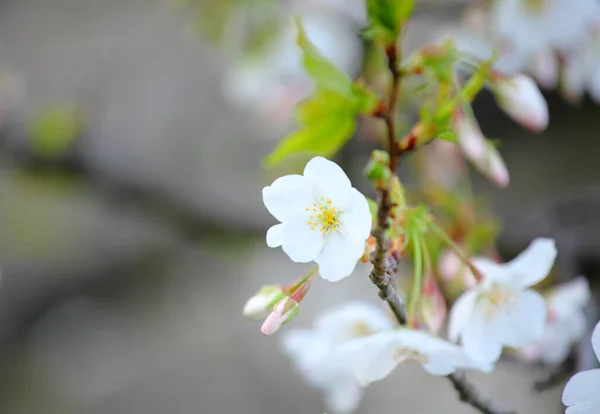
[(410, 355), (323, 216), (497, 299), (361, 329)]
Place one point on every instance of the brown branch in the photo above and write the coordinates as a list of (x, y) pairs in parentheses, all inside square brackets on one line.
[(384, 265), (470, 395)]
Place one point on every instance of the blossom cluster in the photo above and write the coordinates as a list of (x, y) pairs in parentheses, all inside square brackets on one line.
[(465, 307), (556, 41), (324, 219)]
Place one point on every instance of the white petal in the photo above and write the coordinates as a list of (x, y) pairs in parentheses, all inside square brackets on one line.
[(461, 313), (570, 296), (301, 243), (372, 358), (525, 321), (596, 340), (339, 256), (331, 179), (288, 196), (441, 364), (352, 320), (275, 235), (296, 341), (582, 388), (592, 407), (344, 395), (493, 273), (479, 338), (533, 264), (356, 220)]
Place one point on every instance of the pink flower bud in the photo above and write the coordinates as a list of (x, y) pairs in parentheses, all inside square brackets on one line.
[(259, 305), (479, 151), (522, 100), (283, 312), (433, 305), (451, 268)]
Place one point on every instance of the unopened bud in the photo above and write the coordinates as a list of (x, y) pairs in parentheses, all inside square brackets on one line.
[(259, 305), (451, 268), (522, 100), (377, 169), (484, 156), (283, 312), (433, 305)]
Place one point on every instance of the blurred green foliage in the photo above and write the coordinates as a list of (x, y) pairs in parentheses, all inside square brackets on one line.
[(54, 130)]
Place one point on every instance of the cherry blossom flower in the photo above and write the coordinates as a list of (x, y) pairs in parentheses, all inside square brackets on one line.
[(500, 309), (375, 357), (323, 218), (522, 100), (582, 393), (530, 26), (315, 352), (565, 326)]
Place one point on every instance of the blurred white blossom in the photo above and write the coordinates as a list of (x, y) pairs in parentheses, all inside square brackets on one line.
[(556, 41), (323, 218), (272, 81), (315, 352), (375, 357), (565, 325), (582, 393), (500, 309)]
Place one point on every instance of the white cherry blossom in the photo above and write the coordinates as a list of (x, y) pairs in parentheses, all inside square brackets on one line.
[(565, 325), (582, 393), (501, 310), (323, 218), (315, 352), (375, 357)]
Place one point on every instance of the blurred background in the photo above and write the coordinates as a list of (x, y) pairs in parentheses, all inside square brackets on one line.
[(132, 226)]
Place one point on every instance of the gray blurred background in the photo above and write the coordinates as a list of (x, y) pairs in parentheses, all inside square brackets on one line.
[(125, 261)]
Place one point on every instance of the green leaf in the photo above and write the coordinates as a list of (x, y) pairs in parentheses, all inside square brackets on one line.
[(325, 74), (387, 18), (322, 138), (54, 130)]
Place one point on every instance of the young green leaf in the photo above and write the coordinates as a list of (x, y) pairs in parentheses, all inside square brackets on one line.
[(387, 18), (321, 138), (324, 73)]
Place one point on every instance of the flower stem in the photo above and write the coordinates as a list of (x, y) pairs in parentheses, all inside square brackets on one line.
[(418, 273), (446, 239)]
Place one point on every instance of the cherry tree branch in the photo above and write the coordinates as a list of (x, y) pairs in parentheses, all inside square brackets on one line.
[(385, 265), (470, 395)]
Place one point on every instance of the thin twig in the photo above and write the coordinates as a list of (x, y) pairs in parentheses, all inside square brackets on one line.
[(470, 395), (384, 265)]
